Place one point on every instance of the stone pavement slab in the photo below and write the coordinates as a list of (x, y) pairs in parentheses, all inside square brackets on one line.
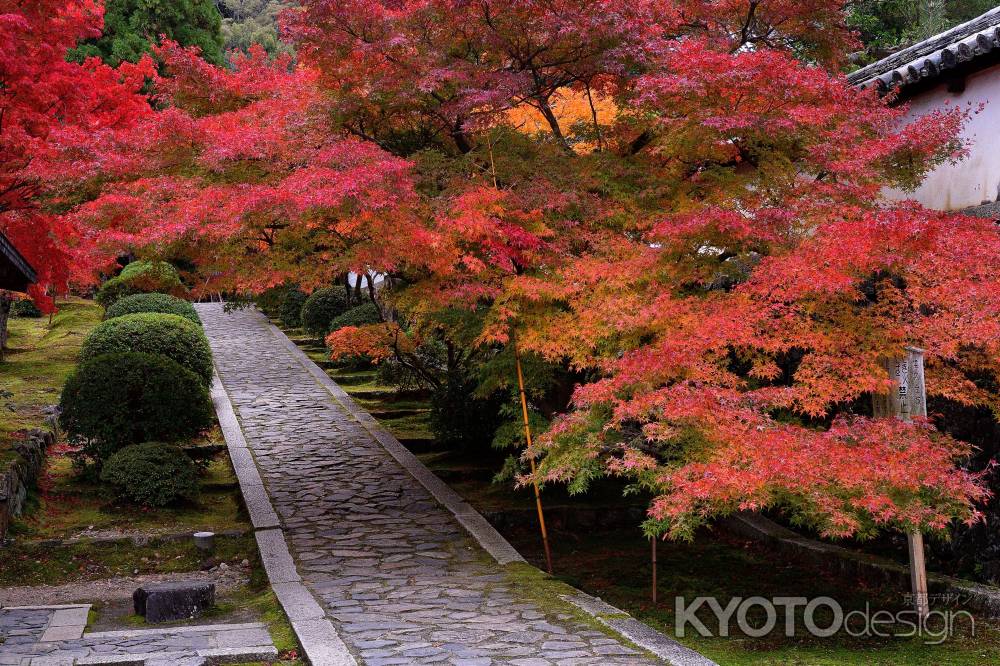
[(386, 555), (54, 636)]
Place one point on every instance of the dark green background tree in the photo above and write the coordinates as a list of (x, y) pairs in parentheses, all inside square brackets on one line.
[(888, 25), (248, 22), (131, 26)]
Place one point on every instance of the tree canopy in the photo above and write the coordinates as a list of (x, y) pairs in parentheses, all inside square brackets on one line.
[(673, 203), (50, 109), (249, 22), (888, 25), (131, 27)]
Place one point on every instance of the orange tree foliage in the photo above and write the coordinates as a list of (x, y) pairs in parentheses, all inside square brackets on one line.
[(706, 248)]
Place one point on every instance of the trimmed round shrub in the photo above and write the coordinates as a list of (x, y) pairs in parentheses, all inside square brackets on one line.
[(361, 315), (140, 277), (175, 337), (115, 400), (151, 474), (269, 301), (290, 311), (321, 307), (162, 303), (25, 309)]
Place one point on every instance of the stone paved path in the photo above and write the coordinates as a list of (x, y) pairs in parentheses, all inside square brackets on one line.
[(39, 636), (397, 575)]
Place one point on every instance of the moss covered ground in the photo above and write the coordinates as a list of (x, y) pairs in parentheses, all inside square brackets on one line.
[(39, 358)]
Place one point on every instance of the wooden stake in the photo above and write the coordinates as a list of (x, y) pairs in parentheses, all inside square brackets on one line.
[(909, 400), (918, 574), (531, 458)]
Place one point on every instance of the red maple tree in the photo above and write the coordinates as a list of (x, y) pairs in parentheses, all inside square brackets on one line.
[(707, 245), (50, 111)]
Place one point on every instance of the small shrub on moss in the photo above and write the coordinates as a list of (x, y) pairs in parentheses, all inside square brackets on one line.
[(25, 309), (168, 335), (269, 301), (290, 311), (361, 315), (140, 277), (461, 420), (151, 474), (154, 302), (322, 306), (115, 400)]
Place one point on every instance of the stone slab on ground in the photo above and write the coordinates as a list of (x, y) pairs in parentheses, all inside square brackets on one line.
[(386, 555), (164, 602)]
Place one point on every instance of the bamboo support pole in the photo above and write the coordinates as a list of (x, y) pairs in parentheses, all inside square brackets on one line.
[(653, 542), (531, 457)]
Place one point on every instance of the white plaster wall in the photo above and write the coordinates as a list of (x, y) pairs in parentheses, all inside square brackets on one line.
[(976, 179)]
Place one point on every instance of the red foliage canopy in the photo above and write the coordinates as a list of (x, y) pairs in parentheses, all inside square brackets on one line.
[(52, 108), (722, 261)]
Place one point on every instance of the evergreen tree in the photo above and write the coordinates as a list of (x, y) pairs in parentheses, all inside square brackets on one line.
[(249, 22), (132, 26), (885, 26)]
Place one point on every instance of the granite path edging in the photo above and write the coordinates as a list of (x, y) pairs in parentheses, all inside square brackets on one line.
[(318, 637), (484, 533)]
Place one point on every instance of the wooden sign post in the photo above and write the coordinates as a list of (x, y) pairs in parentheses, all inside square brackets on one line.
[(909, 399)]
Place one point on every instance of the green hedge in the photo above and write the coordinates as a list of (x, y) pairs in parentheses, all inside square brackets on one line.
[(141, 277), (162, 303), (362, 315), (269, 301), (168, 335), (151, 474), (25, 309), (290, 311), (115, 400), (322, 306)]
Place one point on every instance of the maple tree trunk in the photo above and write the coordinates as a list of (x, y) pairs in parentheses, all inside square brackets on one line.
[(6, 302), (550, 117), (357, 288), (345, 279)]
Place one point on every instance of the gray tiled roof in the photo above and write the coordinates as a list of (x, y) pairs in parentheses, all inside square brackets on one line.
[(15, 271), (931, 57)]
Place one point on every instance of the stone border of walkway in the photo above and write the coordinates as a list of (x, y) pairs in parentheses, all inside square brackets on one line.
[(66, 623), (212, 656), (484, 533), (318, 637)]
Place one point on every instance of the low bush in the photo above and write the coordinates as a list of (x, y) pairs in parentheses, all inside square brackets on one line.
[(115, 400), (140, 277), (322, 306), (461, 420), (168, 335), (269, 301), (153, 302), (290, 311), (151, 474), (361, 315), (25, 309)]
